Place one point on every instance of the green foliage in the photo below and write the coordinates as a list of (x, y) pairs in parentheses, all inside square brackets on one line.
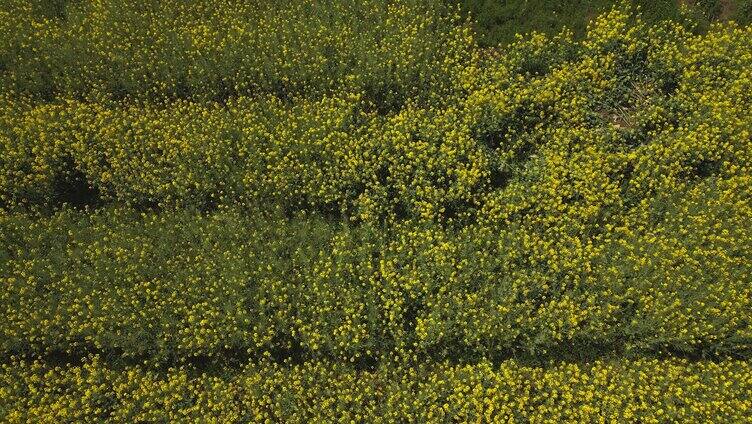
[(498, 22), (743, 12)]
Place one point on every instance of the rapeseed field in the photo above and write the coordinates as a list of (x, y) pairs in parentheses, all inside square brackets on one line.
[(329, 211)]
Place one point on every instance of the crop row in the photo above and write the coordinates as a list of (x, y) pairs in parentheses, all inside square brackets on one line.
[(180, 286), (209, 50), (646, 391)]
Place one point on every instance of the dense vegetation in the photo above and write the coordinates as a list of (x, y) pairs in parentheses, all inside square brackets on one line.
[(217, 209), (501, 21), (646, 391)]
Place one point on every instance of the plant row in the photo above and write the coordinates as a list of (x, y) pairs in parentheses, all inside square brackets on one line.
[(646, 391), (184, 286), (212, 50)]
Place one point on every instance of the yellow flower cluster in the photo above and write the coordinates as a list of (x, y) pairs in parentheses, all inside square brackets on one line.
[(645, 391)]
